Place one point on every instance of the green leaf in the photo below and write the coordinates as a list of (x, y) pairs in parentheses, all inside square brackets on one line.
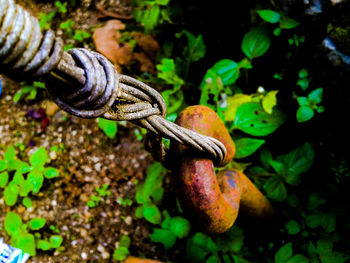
[(316, 95), (12, 223), (227, 70), (43, 245), (269, 101), (275, 188), (180, 226), (334, 257), (299, 160), (231, 241), (25, 187), (303, 83), (3, 165), (213, 259), (292, 227), (255, 43), (269, 16), (233, 103), (10, 153), (195, 48), (120, 253), (247, 146), (252, 119), (284, 253), (298, 258), (27, 202), (26, 242), (36, 179), (124, 241), (4, 178), (108, 126), (56, 241), (265, 157), (303, 73), (164, 236), (303, 101), (313, 220), (167, 72), (51, 172), (39, 158), (11, 194), (328, 222), (36, 223), (152, 214), (288, 23), (324, 245)]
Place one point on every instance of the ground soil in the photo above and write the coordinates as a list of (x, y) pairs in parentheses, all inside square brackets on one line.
[(88, 159)]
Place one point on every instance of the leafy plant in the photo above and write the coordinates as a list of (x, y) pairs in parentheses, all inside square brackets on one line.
[(30, 90), (151, 13), (101, 193), (46, 19), (109, 127), (19, 178), (202, 248), (123, 248), (23, 239), (149, 193), (171, 228), (284, 169)]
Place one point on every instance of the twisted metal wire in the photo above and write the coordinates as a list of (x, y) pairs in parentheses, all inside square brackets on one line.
[(85, 84)]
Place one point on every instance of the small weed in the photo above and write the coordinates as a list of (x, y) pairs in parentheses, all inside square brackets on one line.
[(95, 199), (123, 249), (30, 91)]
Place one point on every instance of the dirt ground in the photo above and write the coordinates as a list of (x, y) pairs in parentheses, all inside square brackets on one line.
[(87, 159)]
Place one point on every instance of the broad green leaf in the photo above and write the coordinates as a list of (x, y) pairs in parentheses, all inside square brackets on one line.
[(125, 241), (334, 257), (120, 253), (180, 226), (316, 95), (11, 194), (162, 2), (265, 157), (275, 188), (313, 220), (10, 153), (247, 146), (195, 48), (324, 245), (152, 214), (198, 247), (164, 236), (56, 241), (303, 83), (39, 157), (284, 253), (3, 165), (269, 101), (292, 227), (293, 200), (25, 187), (288, 23), (328, 222), (152, 184), (231, 241), (233, 103), (269, 15), (252, 119), (173, 100), (205, 241), (51, 172), (167, 72), (303, 101), (43, 245), (211, 85), (108, 126), (213, 259), (303, 73), (227, 70), (255, 43), (36, 179), (315, 201), (139, 212), (298, 258), (27, 202), (299, 160), (12, 223), (4, 178), (26, 242), (36, 223)]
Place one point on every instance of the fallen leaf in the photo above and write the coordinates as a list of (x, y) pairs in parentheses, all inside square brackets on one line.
[(147, 43), (106, 42), (146, 64)]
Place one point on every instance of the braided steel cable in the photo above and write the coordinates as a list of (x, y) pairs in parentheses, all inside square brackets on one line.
[(85, 84)]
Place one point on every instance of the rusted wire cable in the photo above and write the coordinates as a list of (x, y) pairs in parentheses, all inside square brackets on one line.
[(85, 84)]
